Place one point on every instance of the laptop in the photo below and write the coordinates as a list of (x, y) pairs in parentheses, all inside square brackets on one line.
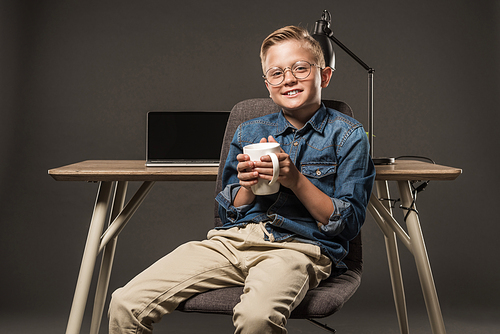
[(184, 138)]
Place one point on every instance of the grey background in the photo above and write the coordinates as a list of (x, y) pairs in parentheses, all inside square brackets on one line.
[(77, 78)]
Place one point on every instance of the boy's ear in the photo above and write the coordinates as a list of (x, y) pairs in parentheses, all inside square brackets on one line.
[(326, 76), (267, 86)]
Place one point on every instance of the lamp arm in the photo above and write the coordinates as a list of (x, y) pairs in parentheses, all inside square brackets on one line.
[(329, 33)]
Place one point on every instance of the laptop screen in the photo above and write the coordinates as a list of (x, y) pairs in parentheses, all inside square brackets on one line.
[(187, 135)]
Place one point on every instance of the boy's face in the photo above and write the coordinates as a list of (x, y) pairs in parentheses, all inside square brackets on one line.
[(296, 95)]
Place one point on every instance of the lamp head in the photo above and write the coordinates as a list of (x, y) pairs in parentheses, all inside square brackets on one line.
[(322, 33)]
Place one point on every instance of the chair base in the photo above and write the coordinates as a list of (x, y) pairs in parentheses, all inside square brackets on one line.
[(324, 326)]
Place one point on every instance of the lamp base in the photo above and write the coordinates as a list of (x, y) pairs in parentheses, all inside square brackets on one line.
[(383, 161)]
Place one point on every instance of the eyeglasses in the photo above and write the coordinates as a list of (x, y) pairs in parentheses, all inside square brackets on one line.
[(300, 70)]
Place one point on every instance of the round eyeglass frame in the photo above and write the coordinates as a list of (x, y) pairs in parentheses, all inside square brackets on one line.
[(291, 71)]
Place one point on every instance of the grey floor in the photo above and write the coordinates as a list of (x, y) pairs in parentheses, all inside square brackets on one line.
[(349, 320)]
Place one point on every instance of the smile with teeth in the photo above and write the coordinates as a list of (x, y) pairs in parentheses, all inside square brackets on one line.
[(292, 92)]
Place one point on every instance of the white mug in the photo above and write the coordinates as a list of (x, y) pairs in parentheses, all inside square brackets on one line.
[(255, 151)]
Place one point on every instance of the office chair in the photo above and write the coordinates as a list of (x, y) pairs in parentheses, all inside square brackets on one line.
[(332, 293)]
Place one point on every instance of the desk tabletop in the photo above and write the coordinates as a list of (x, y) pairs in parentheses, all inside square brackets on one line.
[(415, 170), (130, 170), (136, 170)]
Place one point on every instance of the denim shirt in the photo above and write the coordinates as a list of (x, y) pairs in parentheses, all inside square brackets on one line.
[(332, 151)]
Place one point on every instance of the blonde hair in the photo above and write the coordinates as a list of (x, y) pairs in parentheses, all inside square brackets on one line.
[(293, 33)]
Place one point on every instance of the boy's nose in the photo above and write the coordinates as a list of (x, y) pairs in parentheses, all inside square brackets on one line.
[(290, 77)]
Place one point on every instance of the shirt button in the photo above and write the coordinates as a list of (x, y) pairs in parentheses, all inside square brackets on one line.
[(318, 172), (295, 143)]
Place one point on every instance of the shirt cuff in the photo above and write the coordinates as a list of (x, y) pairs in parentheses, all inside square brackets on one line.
[(225, 199), (337, 221)]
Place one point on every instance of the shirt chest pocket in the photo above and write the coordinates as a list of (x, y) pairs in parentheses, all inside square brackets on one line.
[(322, 175)]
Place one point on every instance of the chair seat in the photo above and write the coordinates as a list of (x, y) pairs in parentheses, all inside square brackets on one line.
[(324, 300)]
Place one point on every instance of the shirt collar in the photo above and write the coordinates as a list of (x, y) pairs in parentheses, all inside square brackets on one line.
[(317, 122)]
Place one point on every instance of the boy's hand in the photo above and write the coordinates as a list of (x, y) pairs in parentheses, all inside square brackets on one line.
[(246, 173), (289, 174), (248, 177)]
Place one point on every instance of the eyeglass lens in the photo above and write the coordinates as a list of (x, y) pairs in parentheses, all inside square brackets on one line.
[(300, 70)]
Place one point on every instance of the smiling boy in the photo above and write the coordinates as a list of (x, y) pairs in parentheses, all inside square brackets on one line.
[(299, 100), (281, 245)]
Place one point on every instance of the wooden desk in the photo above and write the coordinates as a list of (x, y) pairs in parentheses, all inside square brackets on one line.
[(115, 174), (404, 171)]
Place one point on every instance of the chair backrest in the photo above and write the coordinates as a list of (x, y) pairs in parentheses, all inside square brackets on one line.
[(249, 109)]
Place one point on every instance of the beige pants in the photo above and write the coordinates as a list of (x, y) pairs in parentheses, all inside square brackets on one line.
[(276, 276)]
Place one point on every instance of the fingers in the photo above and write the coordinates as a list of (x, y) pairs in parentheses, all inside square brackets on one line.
[(249, 171), (272, 140), (281, 157), (246, 173), (265, 166), (244, 164), (288, 172), (242, 157), (269, 139)]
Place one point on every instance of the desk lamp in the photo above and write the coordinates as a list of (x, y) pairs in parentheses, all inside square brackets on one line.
[(324, 35)]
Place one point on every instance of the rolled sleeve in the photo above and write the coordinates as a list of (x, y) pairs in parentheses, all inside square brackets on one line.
[(337, 222), (354, 182), (227, 211)]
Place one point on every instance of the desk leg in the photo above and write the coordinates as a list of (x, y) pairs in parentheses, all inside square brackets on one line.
[(89, 258), (422, 261), (107, 260), (124, 216), (391, 247)]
